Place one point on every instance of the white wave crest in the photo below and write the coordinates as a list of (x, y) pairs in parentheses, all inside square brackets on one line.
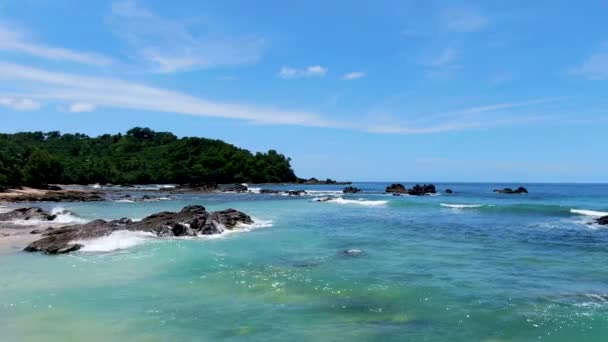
[(360, 201), (588, 212), (66, 216), (63, 217), (118, 240), (255, 190), (461, 206), (124, 201)]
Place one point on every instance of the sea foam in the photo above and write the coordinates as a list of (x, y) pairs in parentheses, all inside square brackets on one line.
[(118, 240), (360, 201), (461, 206), (588, 212), (63, 217)]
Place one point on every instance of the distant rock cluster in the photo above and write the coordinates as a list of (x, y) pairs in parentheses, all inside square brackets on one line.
[(520, 190), (417, 190)]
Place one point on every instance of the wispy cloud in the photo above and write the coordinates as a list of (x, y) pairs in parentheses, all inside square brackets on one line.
[(168, 46), (353, 75), (447, 57), (21, 104), (463, 119), (81, 107), (117, 93), (311, 71), (464, 20), (17, 41), (443, 63), (594, 68), (86, 93)]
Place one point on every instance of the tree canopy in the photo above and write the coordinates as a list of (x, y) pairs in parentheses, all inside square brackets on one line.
[(137, 157)]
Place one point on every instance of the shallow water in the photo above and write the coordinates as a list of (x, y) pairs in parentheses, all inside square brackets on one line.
[(472, 266)]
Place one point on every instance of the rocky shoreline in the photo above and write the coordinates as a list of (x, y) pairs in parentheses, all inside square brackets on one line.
[(192, 220)]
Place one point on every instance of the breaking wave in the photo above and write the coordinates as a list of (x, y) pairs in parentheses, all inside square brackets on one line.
[(118, 240), (588, 212), (461, 206), (360, 201)]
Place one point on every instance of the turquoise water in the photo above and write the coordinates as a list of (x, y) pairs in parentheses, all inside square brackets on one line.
[(500, 268)]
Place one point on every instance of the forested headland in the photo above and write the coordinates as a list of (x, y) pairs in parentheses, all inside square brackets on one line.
[(138, 157)]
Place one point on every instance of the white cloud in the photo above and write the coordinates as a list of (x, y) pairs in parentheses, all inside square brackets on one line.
[(168, 46), (85, 93), (16, 41), (21, 104), (464, 20), (116, 93), (353, 75), (81, 107), (311, 71), (594, 68)]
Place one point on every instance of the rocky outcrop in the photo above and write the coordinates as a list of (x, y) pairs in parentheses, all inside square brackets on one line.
[(351, 190), (296, 192), (27, 214), (190, 221), (196, 188), (270, 191), (314, 181), (52, 196), (421, 190), (235, 188), (417, 190), (396, 189), (602, 221), (449, 191), (520, 190)]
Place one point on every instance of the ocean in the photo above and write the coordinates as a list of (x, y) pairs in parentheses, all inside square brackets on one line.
[(470, 266)]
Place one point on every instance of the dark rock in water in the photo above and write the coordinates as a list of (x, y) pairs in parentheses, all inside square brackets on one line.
[(41, 231), (58, 196), (49, 187), (323, 199), (27, 214), (314, 181), (195, 187), (602, 220), (351, 252), (421, 190), (396, 194), (351, 190), (396, 189), (269, 191), (520, 190), (449, 191), (190, 221), (296, 192), (235, 188)]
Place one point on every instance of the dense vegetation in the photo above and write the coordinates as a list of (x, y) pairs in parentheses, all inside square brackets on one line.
[(140, 156)]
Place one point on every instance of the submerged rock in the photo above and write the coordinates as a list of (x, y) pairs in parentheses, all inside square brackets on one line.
[(602, 220), (396, 189), (296, 192), (520, 190), (351, 190), (449, 191), (352, 252), (33, 213), (190, 221)]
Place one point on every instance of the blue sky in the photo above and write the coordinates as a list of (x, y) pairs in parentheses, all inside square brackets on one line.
[(383, 90)]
